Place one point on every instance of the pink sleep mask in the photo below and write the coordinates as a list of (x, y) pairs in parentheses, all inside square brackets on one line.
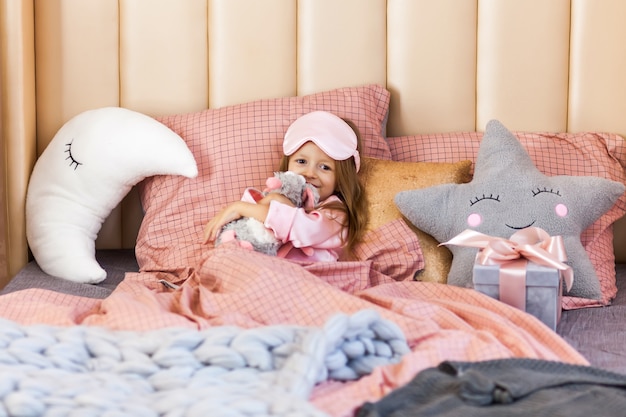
[(328, 131)]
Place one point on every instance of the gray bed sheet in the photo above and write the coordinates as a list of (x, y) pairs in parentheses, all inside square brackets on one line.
[(597, 333), (116, 262)]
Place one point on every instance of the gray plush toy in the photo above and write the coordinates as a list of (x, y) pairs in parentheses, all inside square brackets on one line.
[(251, 233), (509, 193)]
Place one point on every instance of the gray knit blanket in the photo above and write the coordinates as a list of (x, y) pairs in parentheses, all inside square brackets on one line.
[(221, 371), (514, 387)]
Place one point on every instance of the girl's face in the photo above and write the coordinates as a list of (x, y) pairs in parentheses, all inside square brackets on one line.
[(317, 167)]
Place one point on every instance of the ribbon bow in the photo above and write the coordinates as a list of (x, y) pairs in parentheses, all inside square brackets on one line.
[(531, 243)]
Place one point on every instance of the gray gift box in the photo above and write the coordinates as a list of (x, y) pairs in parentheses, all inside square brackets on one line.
[(544, 289)]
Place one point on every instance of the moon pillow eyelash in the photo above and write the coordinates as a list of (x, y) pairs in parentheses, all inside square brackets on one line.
[(73, 161)]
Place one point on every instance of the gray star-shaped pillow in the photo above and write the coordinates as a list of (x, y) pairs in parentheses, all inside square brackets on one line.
[(506, 194)]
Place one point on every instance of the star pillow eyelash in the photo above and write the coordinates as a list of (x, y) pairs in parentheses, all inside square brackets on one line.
[(561, 205), (545, 190), (484, 197)]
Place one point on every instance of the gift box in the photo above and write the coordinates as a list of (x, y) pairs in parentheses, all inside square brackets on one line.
[(543, 289), (527, 271)]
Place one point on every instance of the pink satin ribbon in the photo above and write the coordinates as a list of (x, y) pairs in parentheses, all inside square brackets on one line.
[(529, 244)]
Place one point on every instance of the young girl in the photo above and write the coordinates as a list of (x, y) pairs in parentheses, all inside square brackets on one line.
[(324, 149)]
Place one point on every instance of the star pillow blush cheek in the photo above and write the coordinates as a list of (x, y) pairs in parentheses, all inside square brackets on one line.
[(474, 220)]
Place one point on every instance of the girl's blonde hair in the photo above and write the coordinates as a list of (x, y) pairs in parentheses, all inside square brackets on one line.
[(351, 192)]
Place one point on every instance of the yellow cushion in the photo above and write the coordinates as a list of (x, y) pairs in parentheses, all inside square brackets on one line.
[(384, 179)]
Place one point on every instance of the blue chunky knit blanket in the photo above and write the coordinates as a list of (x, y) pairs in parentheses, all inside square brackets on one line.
[(223, 371)]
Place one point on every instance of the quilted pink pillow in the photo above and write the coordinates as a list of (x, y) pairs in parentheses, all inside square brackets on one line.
[(237, 147), (598, 154)]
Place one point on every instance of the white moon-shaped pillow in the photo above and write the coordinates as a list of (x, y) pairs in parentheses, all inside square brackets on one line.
[(89, 166)]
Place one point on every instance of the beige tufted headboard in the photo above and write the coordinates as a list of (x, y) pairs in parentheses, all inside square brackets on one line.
[(450, 65)]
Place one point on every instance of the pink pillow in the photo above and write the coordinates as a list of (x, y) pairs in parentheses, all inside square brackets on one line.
[(598, 154), (237, 147)]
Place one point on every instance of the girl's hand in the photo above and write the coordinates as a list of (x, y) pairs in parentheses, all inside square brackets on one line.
[(226, 215), (235, 211)]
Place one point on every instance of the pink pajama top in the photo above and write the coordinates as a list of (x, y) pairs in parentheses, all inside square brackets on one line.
[(313, 236)]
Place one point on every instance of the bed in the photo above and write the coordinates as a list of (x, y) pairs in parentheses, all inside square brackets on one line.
[(178, 328)]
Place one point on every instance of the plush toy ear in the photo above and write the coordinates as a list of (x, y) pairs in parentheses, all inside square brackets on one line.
[(272, 184)]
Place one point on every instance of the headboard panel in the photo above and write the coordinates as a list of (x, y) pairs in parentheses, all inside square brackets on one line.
[(450, 65)]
